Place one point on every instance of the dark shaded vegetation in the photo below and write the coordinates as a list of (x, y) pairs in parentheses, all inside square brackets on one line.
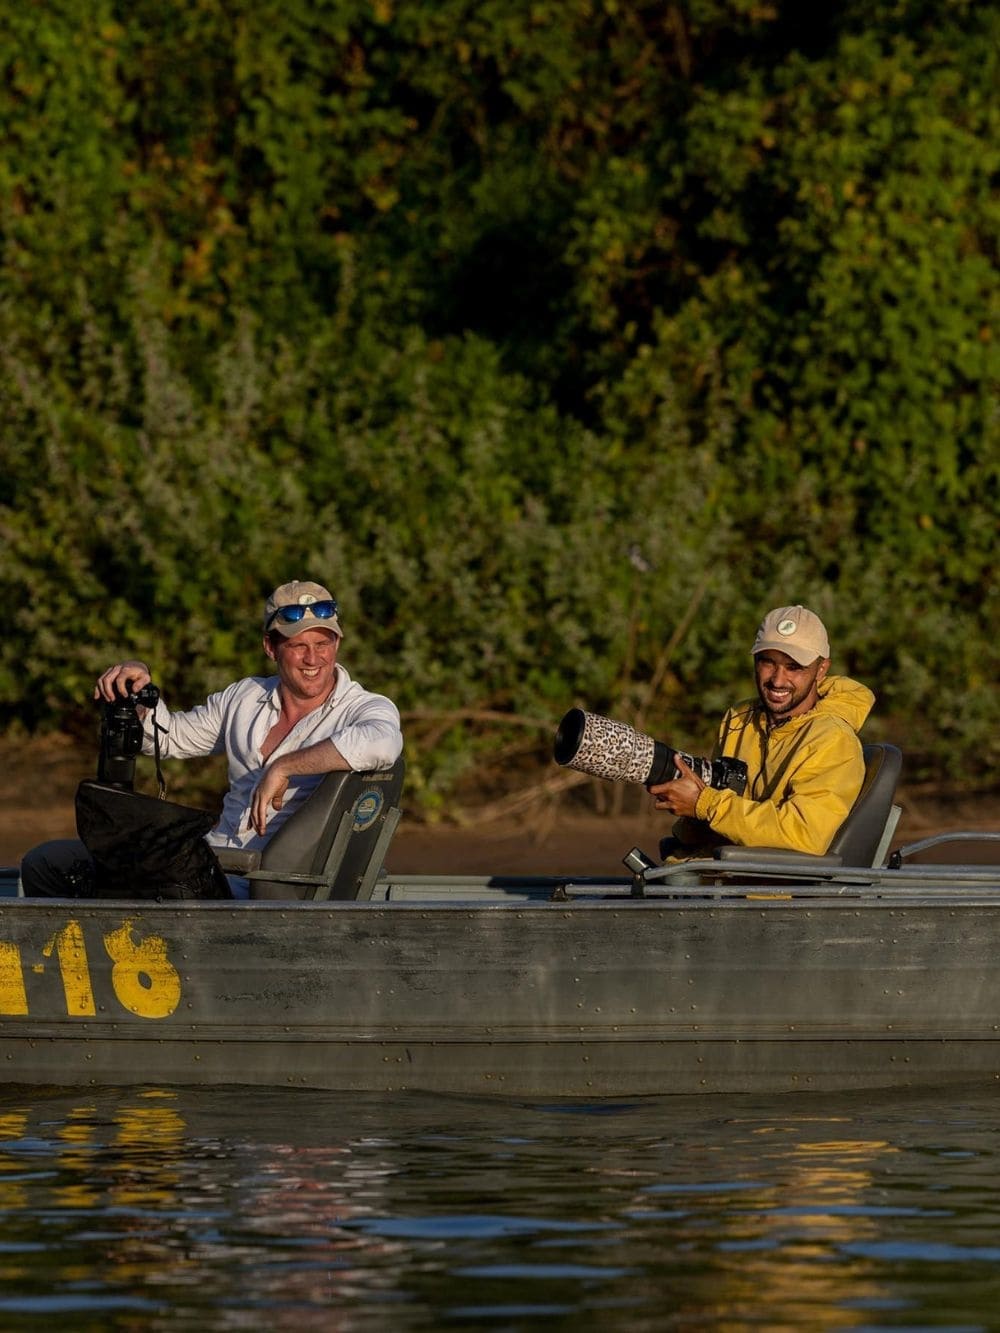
[(562, 339)]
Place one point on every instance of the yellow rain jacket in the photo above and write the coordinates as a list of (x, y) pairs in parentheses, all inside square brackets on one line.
[(803, 775)]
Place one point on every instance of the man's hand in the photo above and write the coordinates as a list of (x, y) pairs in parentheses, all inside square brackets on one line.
[(270, 791), (681, 794), (323, 757), (115, 683)]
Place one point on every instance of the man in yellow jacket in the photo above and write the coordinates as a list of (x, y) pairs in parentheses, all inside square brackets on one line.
[(798, 740)]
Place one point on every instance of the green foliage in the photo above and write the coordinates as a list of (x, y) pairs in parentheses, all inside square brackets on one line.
[(562, 339)]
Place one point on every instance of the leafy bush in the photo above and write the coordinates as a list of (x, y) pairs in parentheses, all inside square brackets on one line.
[(564, 340)]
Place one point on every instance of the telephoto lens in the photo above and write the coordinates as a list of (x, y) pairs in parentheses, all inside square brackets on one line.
[(617, 752)]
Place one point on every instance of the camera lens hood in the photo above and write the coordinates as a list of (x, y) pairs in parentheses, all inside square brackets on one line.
[(603, 748)]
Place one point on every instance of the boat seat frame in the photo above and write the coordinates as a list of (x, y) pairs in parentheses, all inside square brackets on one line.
[(333, 846), (972, 848)]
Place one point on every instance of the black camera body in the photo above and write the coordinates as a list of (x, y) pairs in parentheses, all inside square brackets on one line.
[(121, 737), (616, 751)]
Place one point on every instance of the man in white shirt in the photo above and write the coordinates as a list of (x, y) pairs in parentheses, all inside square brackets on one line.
[(281, 733)]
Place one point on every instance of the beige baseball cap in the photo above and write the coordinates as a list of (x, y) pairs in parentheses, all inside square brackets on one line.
[(794, 630), (298, 606)]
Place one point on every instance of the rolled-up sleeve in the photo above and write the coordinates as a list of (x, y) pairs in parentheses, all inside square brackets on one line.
[(370, 735)]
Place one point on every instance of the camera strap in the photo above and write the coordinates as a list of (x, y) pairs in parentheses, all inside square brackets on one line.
[(161, 785)]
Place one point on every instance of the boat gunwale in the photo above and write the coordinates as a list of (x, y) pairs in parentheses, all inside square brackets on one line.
[(748, 899)]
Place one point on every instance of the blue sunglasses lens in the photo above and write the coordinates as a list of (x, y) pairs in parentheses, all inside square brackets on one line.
[(292, 614)]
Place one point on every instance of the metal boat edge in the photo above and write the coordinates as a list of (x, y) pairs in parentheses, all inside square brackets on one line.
[(752, 978)]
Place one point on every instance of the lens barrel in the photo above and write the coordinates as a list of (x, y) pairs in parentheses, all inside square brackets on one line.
[(617, 752)]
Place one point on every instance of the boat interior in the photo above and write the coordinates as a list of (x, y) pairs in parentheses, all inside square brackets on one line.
[(322, 854), (335, 849)]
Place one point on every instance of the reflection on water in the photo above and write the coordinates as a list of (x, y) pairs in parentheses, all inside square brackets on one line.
[(142, 1210)]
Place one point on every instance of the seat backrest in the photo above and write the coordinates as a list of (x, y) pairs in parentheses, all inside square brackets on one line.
[(860, 838), (340, 833)]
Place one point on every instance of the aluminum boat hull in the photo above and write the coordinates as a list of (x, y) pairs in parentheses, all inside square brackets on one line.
[(494, 989)]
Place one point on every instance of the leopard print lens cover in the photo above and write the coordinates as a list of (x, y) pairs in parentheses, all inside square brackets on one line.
[(611, 750)]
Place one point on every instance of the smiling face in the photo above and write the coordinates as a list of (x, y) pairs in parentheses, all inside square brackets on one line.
[(305, 663), (787, 689)]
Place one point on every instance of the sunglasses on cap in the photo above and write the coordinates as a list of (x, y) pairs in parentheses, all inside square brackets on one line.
[(291, 615)]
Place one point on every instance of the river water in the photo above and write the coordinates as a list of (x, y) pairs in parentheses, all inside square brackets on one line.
[(156, 1208)]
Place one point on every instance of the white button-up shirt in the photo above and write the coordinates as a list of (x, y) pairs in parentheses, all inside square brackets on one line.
[(363, 726)]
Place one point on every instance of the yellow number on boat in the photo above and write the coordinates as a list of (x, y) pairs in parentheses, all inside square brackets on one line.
[(145, 981), (13, 998), (72, 955)]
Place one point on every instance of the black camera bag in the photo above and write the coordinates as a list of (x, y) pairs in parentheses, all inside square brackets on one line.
[(147, 848)]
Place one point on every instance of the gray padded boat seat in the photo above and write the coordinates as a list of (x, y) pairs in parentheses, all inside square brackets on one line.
[(864, 836), (860, 837), (333, 846)]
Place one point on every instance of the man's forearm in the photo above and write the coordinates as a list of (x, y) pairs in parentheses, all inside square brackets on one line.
[(323, 757), (804, 823)]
